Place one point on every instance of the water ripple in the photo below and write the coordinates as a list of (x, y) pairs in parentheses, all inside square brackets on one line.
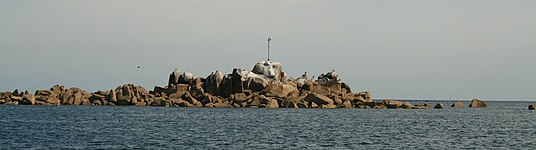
[(78, 127)]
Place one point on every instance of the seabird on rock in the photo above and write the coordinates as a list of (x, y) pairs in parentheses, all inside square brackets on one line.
[(304, 75)]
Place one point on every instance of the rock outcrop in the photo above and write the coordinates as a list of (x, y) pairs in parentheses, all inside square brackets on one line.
[(475, 103)]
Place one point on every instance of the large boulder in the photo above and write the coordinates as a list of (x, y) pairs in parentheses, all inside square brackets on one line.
[(318, 99), (532, 107), (112, 96), (439, 106), (16, 93), (475, 103), (392, 104), (74, 96), (98, 98), (272, 103), (186, 78), (53, 100), (362, 97), (300, 81), (270, 69), (457, 105), (240, 97), (28, 99), (315, 87), (221, 105), (326, 87), (293, 102), (4, 97), (197, 84), (163, 102), (282, 90), (85, 102), (226, 87), (347, 104), (346, 88), (179, 91), (66, 97), (129, 94), (406, 105), (213, 83), (238, 80), (174, 77), (332, 75), (326, 84), (178, 77), (57, 90), (51, 96), (257, 83), (192, 100)]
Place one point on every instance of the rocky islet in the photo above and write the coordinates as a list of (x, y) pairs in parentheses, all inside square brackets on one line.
[(265, 86)]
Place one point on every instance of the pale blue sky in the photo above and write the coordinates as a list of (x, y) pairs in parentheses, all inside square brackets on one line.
[(397, 49)]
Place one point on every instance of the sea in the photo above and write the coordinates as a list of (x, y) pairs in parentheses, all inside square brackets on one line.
[(503, 125)]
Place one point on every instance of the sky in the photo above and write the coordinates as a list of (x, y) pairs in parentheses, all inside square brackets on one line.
[(421, 49)]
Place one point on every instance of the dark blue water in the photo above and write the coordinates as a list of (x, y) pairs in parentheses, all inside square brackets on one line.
[(502, 125)]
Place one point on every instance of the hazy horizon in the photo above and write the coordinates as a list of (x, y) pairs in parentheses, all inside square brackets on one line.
[(396, 49)]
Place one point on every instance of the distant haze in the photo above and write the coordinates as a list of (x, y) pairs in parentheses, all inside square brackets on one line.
[(396, 49)]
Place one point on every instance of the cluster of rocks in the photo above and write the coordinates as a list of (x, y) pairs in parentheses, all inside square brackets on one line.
[(395, 104), (55, 96), (266, 86), (475, 103)]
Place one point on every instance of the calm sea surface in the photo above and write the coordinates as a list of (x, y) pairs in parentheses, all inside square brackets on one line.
[(503, 125)]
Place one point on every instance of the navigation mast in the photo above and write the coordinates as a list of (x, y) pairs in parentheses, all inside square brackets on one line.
[(269, 39)]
